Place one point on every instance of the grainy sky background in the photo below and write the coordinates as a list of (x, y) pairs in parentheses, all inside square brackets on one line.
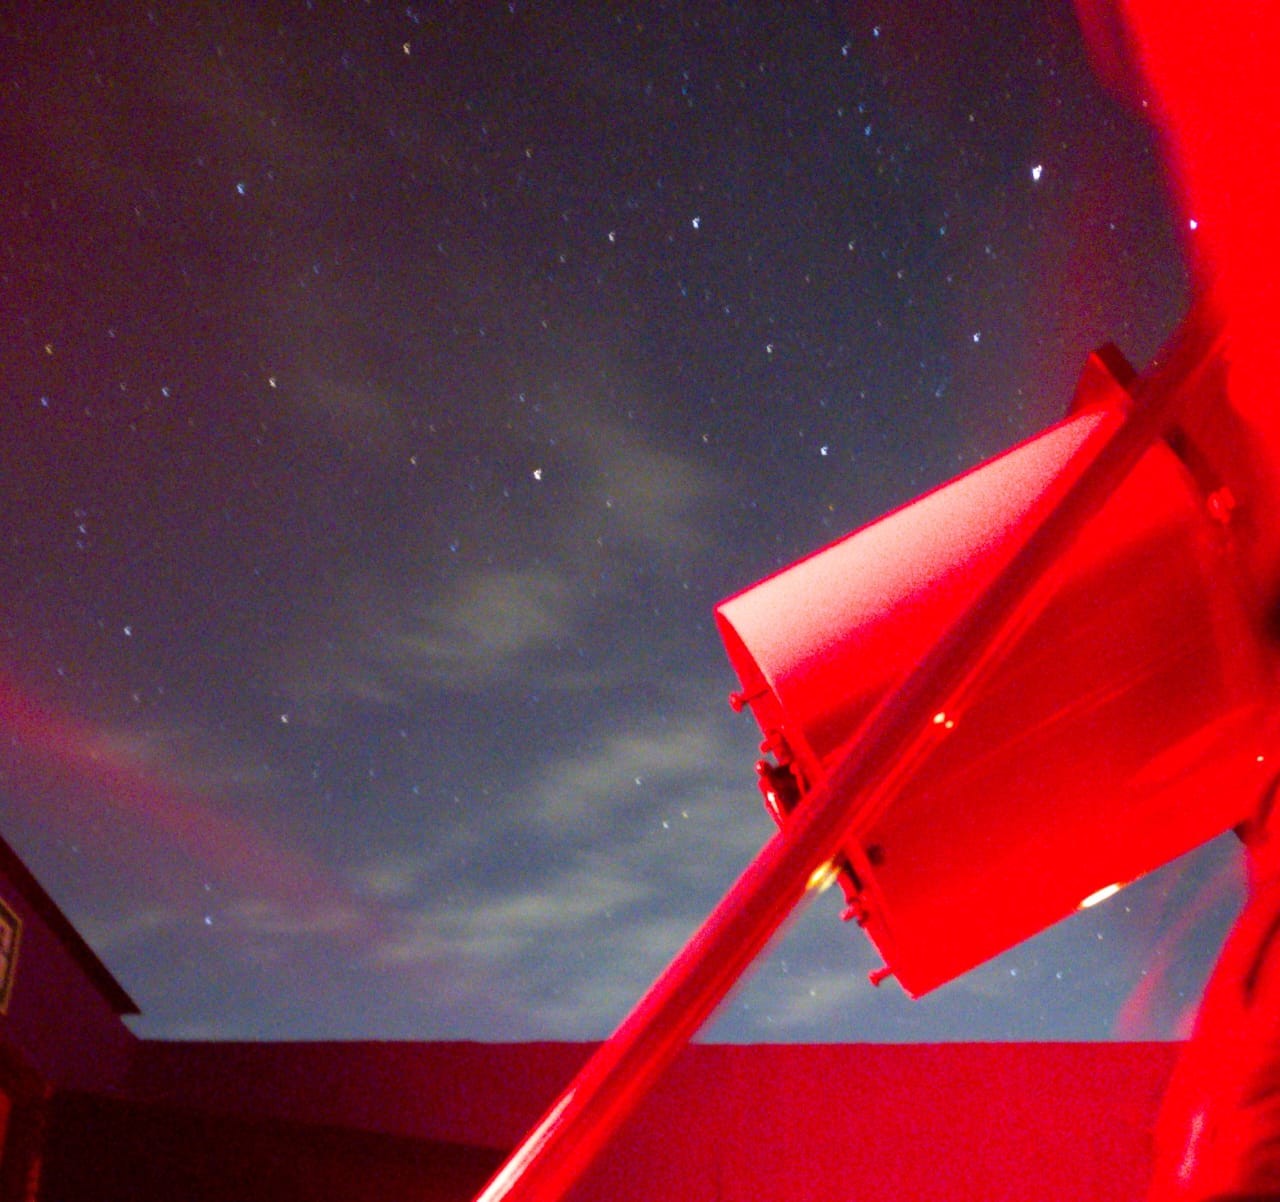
[(390, 392)]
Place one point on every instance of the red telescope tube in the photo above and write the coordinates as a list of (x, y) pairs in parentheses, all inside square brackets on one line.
[(893, 741)]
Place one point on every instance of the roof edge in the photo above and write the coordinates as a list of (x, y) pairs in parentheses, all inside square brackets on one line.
[(33, 893)]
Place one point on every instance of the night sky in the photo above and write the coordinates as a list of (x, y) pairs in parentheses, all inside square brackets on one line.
[(390, 393)]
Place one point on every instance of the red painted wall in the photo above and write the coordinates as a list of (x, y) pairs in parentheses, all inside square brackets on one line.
[(65, 1030), (110, 1150), (951, 1121), (63, 1021)]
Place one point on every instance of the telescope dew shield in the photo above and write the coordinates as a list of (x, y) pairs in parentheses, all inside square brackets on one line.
[(1124, 727)]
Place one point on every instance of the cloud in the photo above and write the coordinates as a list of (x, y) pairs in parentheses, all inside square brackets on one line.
[(107, 935), (656, 496), (573, 952), (264, 916), (390, 632), (657, 766), (502, 926), (489, 619), (386, 643), (396, 877), (816, 1000), (188, 756), (630, 844)]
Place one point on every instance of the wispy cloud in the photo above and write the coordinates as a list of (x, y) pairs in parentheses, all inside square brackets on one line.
[(659, 766), (268, 916), (656, 495), (555, 947), (628, 509), (108, 934), (506, 925), (384, 643), (485, 622), (631, 840)]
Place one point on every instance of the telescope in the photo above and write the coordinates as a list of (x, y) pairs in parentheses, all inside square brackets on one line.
[(993, 706), (1123, 726)]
